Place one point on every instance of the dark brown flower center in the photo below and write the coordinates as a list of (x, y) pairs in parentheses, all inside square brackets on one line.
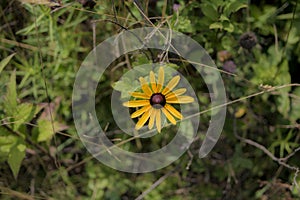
[(157, 100)]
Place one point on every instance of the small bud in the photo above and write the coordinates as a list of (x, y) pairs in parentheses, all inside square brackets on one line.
[(229, 66), (248, 40), (224, 55), (176, 7)]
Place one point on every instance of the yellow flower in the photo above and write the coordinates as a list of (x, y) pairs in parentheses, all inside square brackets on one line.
[(155, 99)]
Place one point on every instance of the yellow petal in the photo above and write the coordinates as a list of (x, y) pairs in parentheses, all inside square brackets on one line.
[(180, 99), (142, 120), (136, 103), (158, 121), (139, 95), (173, 111), (145, 87), (173, 83), (169, 116), (153, 82), (152, 118), (140, 111), (161, 78), (175, 93)]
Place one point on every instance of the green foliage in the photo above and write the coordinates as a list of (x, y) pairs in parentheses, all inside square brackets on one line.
[(45, 130), (5, 61), (16, 155), (129, 83)]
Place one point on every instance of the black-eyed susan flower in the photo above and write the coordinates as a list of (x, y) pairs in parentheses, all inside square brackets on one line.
[(156, 99)]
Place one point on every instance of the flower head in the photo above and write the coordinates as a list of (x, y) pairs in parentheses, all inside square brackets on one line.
[(156, 98), (176, 6), (229, 66), (248, 40)]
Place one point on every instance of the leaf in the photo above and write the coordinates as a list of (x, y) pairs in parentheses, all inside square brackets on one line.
[(234, 7), (29, 29), (218, 2), (183, 24), (223, 18), (216, 25), (228, 26), (126, 85), (295, 106), (293, 36), (287, 16), (7, 140), (45, 130), (278, 71), (283, 104), (283, 77), (186, 127), (10, 103), (18, 113), (223, 24), (210, 11), (25, 112), (15, 157), (5, 61)]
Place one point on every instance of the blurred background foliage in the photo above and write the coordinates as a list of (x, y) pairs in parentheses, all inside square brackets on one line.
[(256, 46)]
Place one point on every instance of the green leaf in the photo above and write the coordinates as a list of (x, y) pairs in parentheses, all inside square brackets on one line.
[(223, 18), (187, 127), (30, 29), (25, 112), (216, 25), (45, 130), (295, 106), (210, 11), (15, 157), (10, 103), (228, 26), (287, 16), (182, 24), (7, 140), (217, 3), (293, 36), (283, 104), (234, 7), (5, 61), (126, 85), (278, 72), (283, 77), (223, 24)]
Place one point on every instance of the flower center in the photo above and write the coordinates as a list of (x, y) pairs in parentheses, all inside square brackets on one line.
[(157, 100)]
